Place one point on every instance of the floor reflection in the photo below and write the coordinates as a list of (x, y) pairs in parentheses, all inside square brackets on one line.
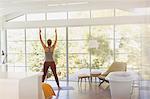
[(84, 90)]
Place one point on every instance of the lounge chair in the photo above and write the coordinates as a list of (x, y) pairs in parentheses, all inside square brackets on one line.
[(116, 66)]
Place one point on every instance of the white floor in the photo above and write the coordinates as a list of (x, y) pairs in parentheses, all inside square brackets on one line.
[(84, 91)]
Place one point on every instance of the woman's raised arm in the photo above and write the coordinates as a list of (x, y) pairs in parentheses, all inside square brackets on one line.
[(41, 39), (54, 45)]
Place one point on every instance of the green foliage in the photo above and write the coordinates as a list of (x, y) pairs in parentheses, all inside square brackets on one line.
[(102, 54), (35, 60)]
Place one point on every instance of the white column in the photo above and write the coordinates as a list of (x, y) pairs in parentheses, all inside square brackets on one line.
[(3, 42), (0, 37)]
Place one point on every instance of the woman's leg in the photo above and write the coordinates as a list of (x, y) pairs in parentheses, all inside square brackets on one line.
[(45, 69), (53, 68)]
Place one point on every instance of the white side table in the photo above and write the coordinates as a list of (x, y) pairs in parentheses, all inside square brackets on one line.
[(95, 74)]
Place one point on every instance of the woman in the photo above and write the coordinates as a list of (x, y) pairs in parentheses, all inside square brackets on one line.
[(49, 61)]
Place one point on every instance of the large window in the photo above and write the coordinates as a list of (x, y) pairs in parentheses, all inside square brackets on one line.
[(78, 14), (78, 50), (25, 52), (125, 43), (34, 50), (16, 49), (103, 55), (102, 13), (56, 16), (128, 44), (133, 12), (145, 51), (36, 17)]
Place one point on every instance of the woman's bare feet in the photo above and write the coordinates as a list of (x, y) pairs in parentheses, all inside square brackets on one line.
[(59, 88)]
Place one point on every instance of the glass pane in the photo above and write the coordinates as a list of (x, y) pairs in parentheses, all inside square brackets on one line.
[(35, 17), (128, 31), (11, 69), (145, 72), (33, 34), (142, 11), (121, 57), (79, 60), (127, 45), (62, 73), (78, 14), (34, 69), (61, 47), (145, 51), (123, 12), (35, 62), (61, 33), (145, 30), (78, 33), (78, 46), (16, 47), (102, 56), (78, 64), (34, 47), (16, 59), (102, 13), (15, 35), (60, 60), (132, 60), (20, 69), (55, 16), (18, 19), (133, 12), (105, 31)]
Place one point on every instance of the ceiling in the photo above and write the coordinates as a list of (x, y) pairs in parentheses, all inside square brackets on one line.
[(8, 7)]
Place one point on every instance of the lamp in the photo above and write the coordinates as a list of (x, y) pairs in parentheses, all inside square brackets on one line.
[(92, 44)]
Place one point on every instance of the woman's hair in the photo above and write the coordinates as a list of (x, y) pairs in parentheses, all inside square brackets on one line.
[(49, 42)]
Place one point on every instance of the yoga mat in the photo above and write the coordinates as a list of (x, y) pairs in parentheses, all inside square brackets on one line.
[(64, 88)]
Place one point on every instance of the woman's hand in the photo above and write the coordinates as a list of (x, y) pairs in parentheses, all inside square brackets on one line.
[(40, 30), (55, 30)]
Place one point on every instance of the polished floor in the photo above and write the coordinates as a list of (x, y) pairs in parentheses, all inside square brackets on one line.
[(145, 89), (85, 90)]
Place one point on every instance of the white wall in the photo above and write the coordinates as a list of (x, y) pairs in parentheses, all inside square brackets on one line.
[(2, 44)]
